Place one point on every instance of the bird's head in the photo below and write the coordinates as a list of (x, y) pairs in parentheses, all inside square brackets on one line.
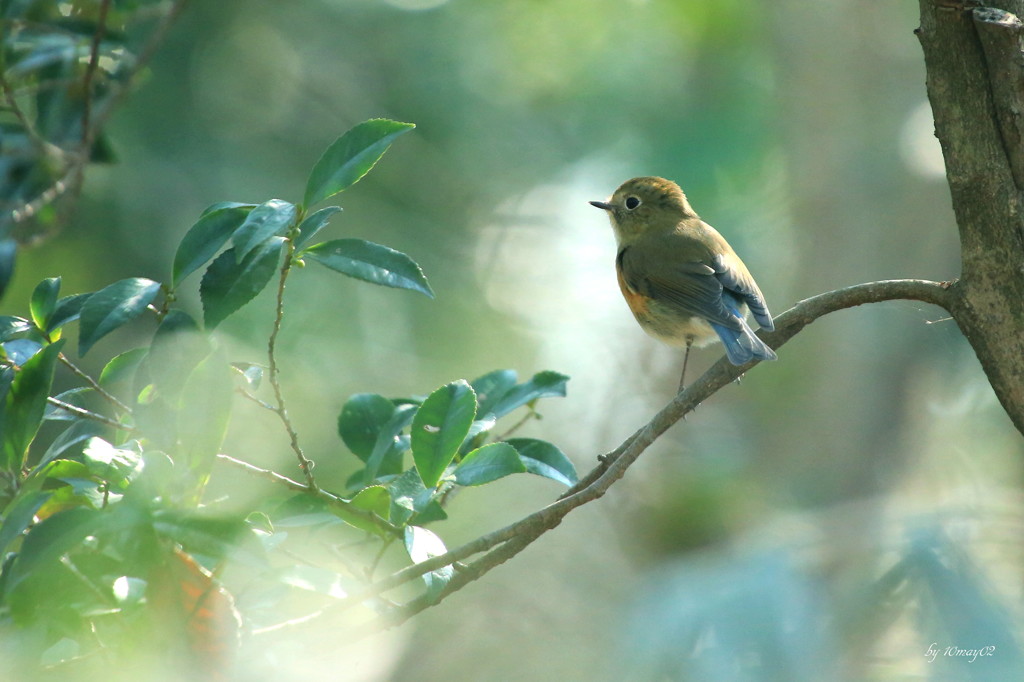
[(643, 204)]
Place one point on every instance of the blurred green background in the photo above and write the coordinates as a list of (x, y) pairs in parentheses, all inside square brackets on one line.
[(800, 130)]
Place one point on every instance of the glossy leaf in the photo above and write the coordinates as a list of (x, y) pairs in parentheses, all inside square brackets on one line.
[(361, 419), (488, 463), (206, 237), (18, 515), (439, 427), (541, 385), (229, 284), (68, 309), (112, 307), (110, 464), (267, 220), (390, 446), (44, 301), (11, 326), (312, 225), (20, 350), (375, 499), (492, 387), (25, 405), (76, 433), (122, 367), (370, 262), (350, 157), (545, 459), (422, 544)]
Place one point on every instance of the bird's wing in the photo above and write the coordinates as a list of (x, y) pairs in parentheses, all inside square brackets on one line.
[(691, 287), (734, 277)]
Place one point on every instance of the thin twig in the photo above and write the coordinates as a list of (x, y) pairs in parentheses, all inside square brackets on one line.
[(42, 146), (530, 414), (90, 72), (249, 396), (93, 384), (330, 498), (87, 414), (273, 371)]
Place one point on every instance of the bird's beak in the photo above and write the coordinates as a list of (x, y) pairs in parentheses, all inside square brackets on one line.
[(602, 205)]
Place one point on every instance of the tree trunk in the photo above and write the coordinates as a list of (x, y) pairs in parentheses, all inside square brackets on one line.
[(976, 88)]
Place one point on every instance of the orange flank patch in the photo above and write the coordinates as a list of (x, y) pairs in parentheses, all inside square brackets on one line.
[(637, 302)]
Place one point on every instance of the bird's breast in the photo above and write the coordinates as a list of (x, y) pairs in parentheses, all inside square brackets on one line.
[(665, 322)]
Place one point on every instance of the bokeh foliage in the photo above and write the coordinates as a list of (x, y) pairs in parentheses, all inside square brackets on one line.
[(871, 456)]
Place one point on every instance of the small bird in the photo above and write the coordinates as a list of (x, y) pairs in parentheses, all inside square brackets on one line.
[(682, 280)]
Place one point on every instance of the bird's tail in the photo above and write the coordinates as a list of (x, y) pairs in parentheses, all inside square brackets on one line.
[(741, 345)]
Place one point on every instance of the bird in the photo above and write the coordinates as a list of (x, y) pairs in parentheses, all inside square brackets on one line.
[(682, 280)]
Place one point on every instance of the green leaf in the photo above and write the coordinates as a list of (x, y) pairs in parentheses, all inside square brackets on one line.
[(488, 463), (44, 301), (361, 419), (492, 387), (313, 224), (408, 496), (375, 499), (18, 515), (267, 220), (542, 385), (370, 262), (122, 367), (111, 464), (11, 326), (112, 307), (545, 459), (351, 157), (205, 411), (74, 434), (229, 284), (422, 544), (206, 237), (68, 309), (25, 405), (50, 539), (178, 346), (390, 446), (439, 427)]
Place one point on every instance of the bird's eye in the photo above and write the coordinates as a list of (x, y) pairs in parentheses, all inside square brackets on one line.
[(632, 202)]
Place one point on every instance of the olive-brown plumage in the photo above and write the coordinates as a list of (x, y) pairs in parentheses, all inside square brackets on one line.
[(684, 283)]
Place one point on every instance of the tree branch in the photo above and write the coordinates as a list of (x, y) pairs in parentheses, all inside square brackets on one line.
[(501, 545)]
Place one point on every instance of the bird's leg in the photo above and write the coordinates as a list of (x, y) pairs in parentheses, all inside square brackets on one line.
[(686, 358)]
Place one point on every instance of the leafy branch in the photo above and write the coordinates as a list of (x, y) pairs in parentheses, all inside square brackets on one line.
[(503, 544)]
